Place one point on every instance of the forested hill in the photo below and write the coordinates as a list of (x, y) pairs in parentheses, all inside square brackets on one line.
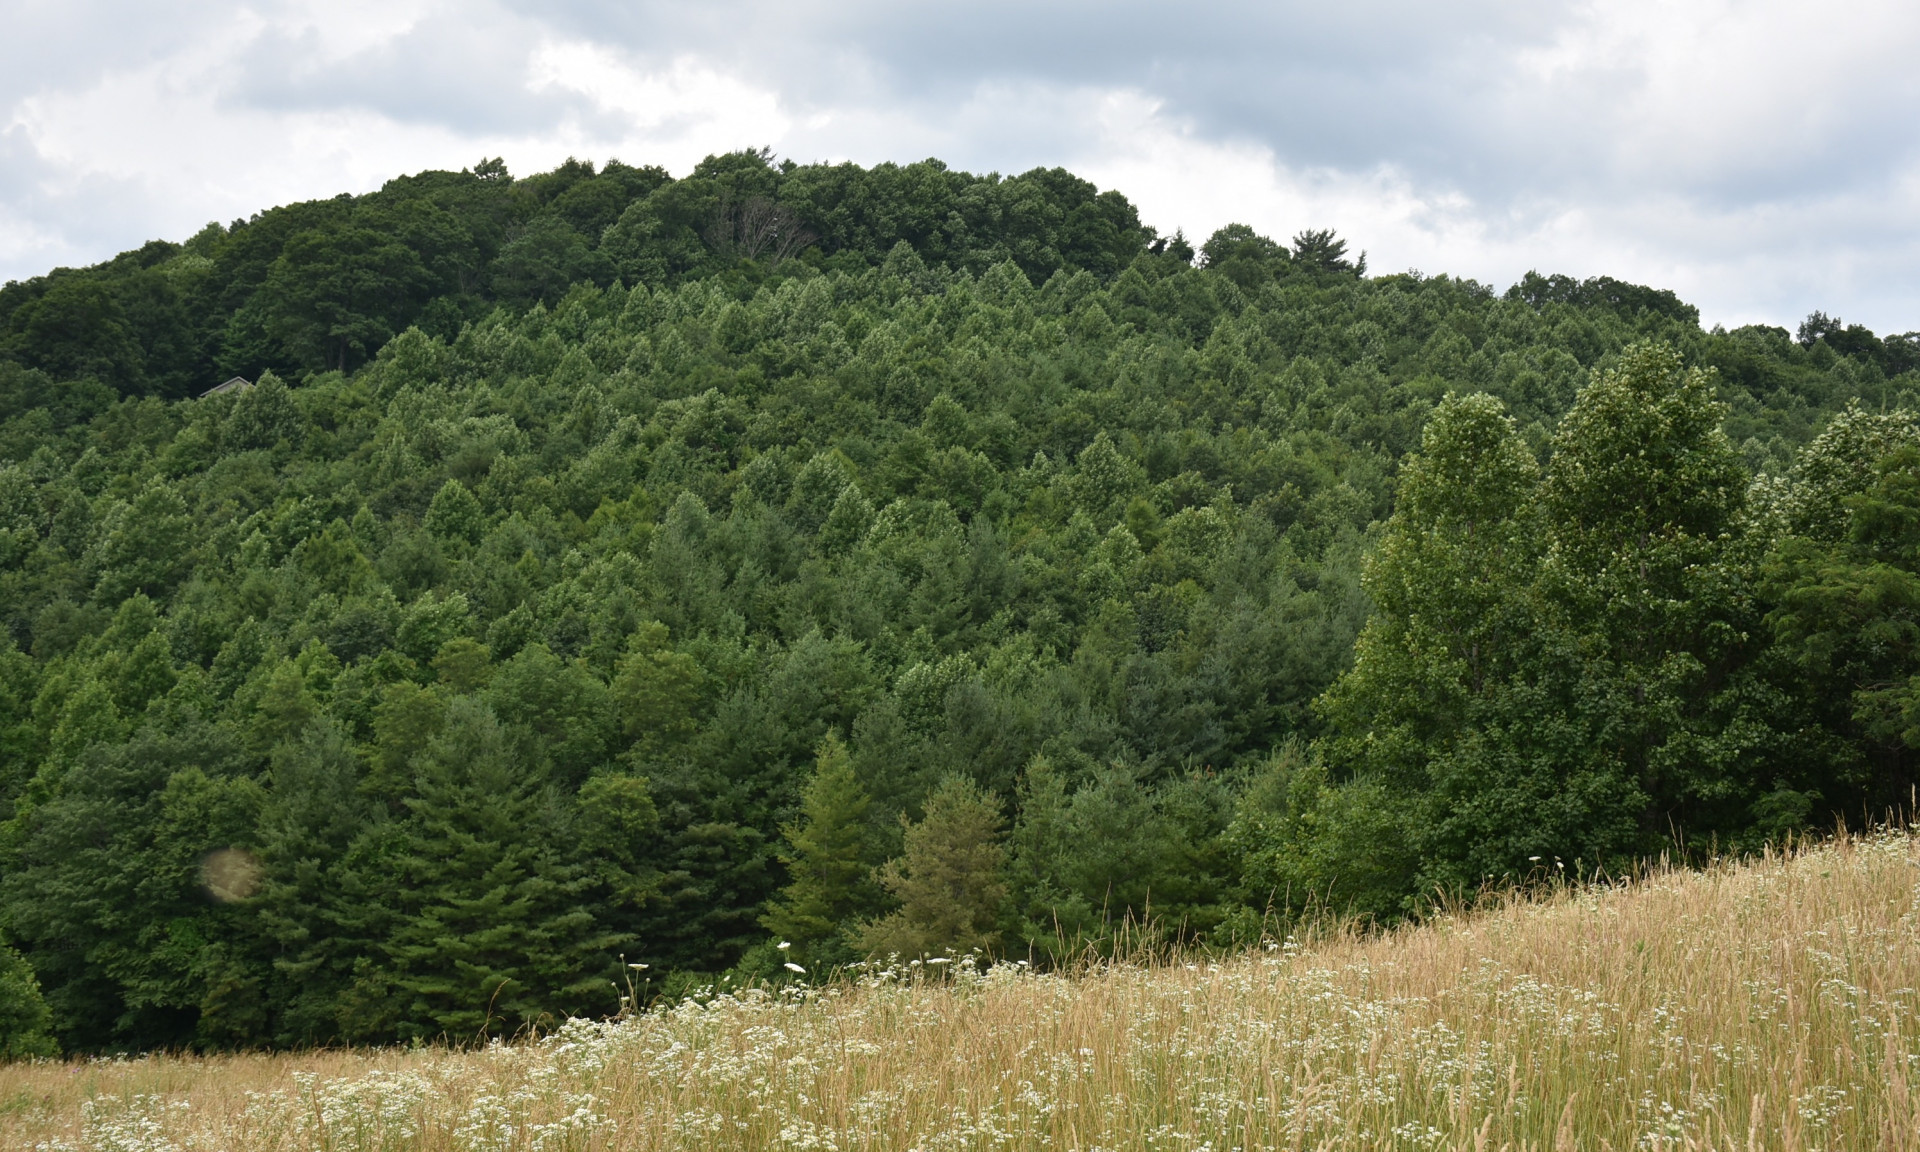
[(612, 570)]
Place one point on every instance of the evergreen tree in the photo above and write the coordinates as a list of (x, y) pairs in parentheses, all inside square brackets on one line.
[(657, 693), (947, 878), (311, 907), (455, 514), (983, 470), (829, 861), (491, 930), (1052, 917)]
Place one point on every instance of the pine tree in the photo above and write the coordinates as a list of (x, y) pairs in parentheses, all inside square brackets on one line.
[(947, 878), (455, 514), (310, 906), (492, 930), (829, 862), (1052, 917)]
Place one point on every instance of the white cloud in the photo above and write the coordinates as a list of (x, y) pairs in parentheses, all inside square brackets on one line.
[(1754, 155), (1760, 263), (673, 116)]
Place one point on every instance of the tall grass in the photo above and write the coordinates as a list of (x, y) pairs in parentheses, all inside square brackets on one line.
[(1769, 1004)]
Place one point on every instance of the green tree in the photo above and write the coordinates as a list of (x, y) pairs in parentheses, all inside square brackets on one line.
[(405, 720), (1448, 584), (262, 416), (145, 544), (1652, 567), (556, 708), (77, 329), (1841, 465), (1322, 251), (491, 931), (657, 693), (109, 897), (618, 822), (455, 514), (1244, 256), (948, 878), (829, 859), (334, 296), (544, 261), (1562, 669), (25, 1020), (312, 907), (1846, 614)]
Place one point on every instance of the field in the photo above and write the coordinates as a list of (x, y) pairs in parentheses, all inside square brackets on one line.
[(1770, 1004)]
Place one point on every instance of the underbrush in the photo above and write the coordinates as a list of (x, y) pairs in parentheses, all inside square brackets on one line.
[(1764, 1004)]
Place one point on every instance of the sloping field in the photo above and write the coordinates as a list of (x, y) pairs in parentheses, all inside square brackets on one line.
[(1766, 1005)]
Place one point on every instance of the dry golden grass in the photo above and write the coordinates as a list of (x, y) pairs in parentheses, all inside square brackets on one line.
[(1765, 1005)]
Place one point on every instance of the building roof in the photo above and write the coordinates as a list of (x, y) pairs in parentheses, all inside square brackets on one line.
[(237, 384)]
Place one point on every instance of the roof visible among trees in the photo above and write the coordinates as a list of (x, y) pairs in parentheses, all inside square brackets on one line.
[(235, 384)]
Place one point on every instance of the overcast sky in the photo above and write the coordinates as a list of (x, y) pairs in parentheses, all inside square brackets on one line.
[(1760, 157)]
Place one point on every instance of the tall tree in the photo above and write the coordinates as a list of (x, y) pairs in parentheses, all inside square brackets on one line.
[(829, 859), (492, 930), (1448, 586)]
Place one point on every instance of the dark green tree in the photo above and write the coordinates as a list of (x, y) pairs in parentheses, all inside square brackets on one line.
[(333, 297), (491, 929), (77, 329)]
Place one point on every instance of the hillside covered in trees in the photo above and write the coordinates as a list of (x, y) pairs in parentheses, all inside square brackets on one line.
[(611, 577)]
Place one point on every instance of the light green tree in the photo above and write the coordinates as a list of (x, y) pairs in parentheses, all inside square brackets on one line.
[(455, 514), (24, 1018), (947, 878), (829, 859), (1448, 586)]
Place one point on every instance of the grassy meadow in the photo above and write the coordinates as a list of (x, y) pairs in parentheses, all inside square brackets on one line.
[(1769, 1004)]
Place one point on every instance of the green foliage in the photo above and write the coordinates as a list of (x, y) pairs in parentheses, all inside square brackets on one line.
[(606, 563), (1116, 856), (947, 878), (1846, 609), (492, 931), (24, 1017), (1567, 666), (829, 857)]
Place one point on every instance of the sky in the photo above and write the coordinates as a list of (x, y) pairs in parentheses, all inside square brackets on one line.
[(1759, 157)]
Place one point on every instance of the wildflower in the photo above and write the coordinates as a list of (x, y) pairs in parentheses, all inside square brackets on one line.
[(637, 967), (784, 945), (792, 967)]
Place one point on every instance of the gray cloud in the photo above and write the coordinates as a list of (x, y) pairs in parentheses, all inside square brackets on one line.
[(1755, 155), (446, 70)]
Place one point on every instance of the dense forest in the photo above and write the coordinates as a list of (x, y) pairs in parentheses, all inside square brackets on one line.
[(614, 584)]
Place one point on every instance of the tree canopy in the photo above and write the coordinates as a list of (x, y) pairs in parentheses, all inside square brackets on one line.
[(609, 569)]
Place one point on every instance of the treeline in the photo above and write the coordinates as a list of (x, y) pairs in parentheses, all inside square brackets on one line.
[(324, 284), (873, 561)]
